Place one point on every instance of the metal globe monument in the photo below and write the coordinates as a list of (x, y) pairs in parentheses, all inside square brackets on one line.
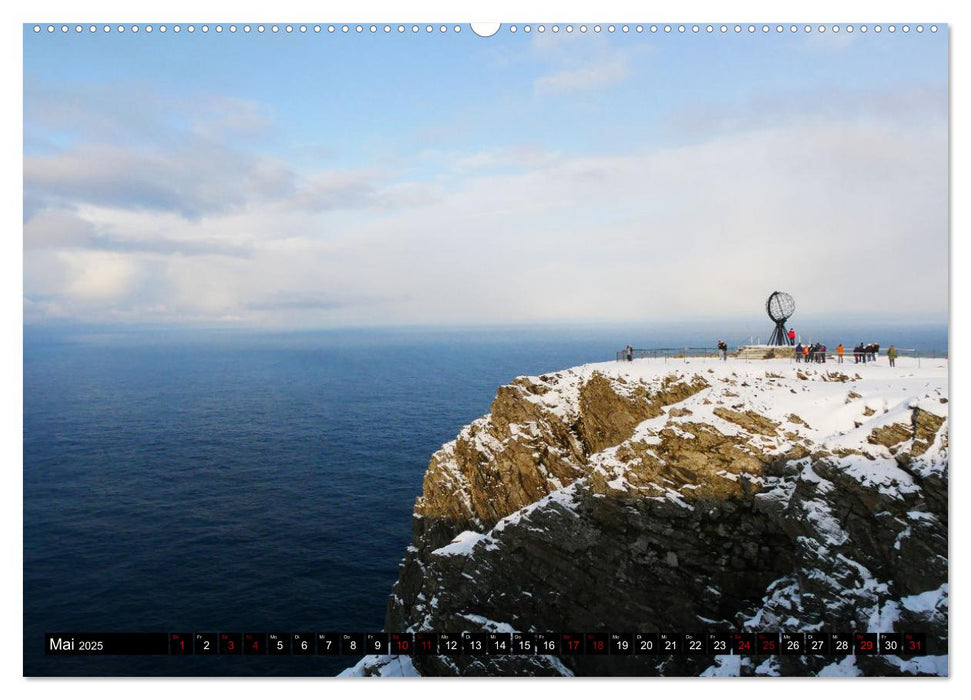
[(780, 307)]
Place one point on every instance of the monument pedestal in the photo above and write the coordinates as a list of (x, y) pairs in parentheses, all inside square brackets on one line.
[(765, 352)]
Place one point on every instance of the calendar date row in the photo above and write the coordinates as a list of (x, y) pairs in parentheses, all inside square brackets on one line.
[(488, 643)]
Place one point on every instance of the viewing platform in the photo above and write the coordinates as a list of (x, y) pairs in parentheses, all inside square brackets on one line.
[(764, 352), (743, 352)]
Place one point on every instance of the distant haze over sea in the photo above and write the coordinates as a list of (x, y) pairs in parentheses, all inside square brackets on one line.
[(600, 339)]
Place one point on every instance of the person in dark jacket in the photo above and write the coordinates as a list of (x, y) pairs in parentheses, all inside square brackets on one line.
[(799, 353)]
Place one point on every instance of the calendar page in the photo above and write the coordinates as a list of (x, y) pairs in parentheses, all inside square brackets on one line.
[(437, 348)]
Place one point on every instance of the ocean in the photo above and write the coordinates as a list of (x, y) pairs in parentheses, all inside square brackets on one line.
[(214, 480)]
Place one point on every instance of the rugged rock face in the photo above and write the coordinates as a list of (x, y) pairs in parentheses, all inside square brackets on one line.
[(688, 497)]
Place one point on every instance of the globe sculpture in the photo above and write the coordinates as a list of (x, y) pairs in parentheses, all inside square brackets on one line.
[(780, 308)]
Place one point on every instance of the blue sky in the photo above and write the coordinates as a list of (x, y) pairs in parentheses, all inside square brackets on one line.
[(329, 179)]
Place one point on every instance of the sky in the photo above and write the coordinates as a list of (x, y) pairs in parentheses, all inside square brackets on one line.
[(330, 179)]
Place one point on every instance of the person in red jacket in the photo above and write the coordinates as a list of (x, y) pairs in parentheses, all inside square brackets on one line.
[(792, 336)]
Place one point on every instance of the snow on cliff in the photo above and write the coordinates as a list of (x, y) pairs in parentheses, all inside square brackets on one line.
[(678, 495)]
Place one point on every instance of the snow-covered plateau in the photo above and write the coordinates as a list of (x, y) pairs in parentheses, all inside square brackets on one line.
[(688, 496)]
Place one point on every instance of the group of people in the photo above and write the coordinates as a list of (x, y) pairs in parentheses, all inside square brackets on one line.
[(811, 353), (861, 353), (868, 353), (815, 352)]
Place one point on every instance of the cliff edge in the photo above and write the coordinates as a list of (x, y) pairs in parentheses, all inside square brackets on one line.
[(689, 496)]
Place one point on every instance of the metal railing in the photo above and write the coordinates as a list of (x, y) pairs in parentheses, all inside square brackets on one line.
[(669, 353), (829, 355)]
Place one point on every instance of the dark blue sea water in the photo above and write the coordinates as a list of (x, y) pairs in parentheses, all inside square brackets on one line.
[(240, 481)]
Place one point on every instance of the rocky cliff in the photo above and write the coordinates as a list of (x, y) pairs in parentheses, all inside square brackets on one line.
[(689, 496)]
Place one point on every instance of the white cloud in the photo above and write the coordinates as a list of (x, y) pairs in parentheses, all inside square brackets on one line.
[(57, 229), (580, 62), (94, 276), (521, 156), (595, 75), (849, 215), (195, 179)]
